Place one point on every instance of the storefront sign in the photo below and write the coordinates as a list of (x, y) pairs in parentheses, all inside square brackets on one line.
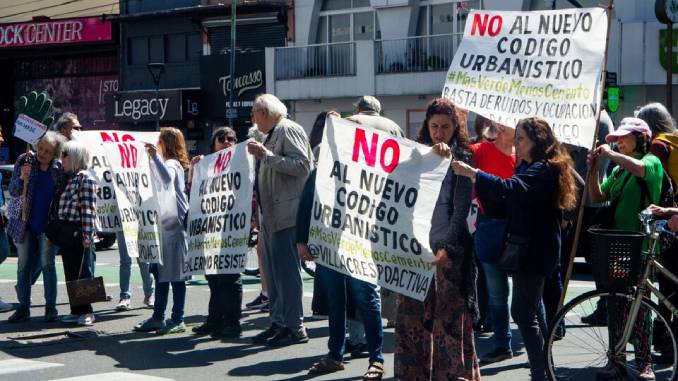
[(250, 81), (55, 32), (143, 106)]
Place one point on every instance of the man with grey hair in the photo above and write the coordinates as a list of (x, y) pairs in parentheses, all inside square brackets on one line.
[(367, 113), (66, 123), (284, 160)]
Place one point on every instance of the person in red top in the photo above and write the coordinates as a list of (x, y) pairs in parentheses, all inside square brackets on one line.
[(496, 158)]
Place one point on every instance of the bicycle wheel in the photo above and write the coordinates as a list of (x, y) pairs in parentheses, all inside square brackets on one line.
[(582, 351)]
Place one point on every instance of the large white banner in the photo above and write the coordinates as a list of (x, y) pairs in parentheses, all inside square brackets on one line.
[(108, 218), (138, 206), (513, 65), (373, 205), (220, 211)]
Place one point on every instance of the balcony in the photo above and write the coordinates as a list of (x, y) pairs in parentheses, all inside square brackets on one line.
[(408, 66), (315, 61), (415, 54)]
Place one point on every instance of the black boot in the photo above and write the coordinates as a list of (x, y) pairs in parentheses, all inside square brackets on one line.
[(21, 315)]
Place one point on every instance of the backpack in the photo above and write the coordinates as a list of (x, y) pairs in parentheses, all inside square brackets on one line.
[(666, 195), (672, 162)]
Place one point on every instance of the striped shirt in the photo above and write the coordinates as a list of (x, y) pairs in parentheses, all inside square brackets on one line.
[(78, 203)]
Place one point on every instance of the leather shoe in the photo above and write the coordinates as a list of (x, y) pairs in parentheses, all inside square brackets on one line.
[(205, 328), (227, 332), (20, 315), (51, 315), (263, 336)]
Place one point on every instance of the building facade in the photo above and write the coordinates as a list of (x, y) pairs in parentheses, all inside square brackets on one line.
[(400, 51)]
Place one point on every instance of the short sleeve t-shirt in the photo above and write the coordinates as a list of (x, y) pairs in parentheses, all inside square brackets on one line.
[(489, 159), (628, 193)]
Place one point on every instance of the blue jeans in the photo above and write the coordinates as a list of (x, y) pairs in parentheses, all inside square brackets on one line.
[(162, 295), (366, 299), (126, 271), (31, 250), (4, 246)]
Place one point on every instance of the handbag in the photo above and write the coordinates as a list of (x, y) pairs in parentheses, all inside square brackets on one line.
[(85, 291), (515, 253), (64, 233)]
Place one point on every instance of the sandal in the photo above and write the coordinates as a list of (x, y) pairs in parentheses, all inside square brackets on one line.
[(325, 365), (374, 372)]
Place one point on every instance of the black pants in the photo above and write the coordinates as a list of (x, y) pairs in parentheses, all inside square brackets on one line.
[(225, 299), (72, 257)]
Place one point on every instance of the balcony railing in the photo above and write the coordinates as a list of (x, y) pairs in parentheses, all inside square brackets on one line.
[(323, 60), (415, 54)]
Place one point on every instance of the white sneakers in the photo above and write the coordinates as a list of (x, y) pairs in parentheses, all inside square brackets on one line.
[(5, 307), (86, 320)]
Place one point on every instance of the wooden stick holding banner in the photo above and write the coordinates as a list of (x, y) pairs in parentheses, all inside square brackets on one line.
[(31, 125), (590, 174)]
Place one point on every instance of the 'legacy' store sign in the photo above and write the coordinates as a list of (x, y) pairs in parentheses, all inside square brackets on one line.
[(143, 106)]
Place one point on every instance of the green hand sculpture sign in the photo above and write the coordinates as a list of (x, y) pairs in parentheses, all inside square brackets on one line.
[(33, 120)]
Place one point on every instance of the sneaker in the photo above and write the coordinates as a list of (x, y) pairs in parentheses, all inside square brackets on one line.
[(124, 305), (286, 336), (149, 301), (6, 307), (265, 309), (171, 328), (86, 320), (646, 373), (262, 336), (20, 315), (205, 328), (258, 303), (227, 332), (612, 371), (51, 315), (149, 325), (496, 355), (70, 319)]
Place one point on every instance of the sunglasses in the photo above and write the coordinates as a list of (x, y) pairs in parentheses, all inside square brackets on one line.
[(225, 138)]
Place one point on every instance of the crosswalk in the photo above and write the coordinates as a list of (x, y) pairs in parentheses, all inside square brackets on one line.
[(22, 368)]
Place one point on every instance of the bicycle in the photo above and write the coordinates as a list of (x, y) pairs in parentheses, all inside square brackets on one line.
[(587, 352)]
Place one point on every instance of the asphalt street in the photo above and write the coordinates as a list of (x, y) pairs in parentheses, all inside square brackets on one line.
[(111, 351)]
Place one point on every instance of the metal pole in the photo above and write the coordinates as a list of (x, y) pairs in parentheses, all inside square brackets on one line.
[(592, 175), (231, 92), (157, 96), (669, 67)]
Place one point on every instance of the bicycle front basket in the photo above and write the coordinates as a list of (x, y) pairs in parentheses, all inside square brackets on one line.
[(615, 257)]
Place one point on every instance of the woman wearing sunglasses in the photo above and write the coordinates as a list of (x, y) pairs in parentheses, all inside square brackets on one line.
[(223, 312)]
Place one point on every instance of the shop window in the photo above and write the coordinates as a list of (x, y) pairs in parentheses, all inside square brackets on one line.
[(175, 46), (137, 51), (156, 49), (331, 5), (441, 19), (340, 28)]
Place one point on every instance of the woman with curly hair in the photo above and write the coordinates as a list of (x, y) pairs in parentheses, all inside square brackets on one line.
[(434, 338), (535, 198)]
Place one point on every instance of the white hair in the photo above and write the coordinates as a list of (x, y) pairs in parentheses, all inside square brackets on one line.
[(271, 104), (78, 154), (54, 139)]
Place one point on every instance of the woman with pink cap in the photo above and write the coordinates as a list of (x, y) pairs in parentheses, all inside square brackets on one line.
[(635, 183)]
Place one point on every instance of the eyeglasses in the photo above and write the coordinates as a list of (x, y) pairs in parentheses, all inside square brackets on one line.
[(77, 127), (224, 138)]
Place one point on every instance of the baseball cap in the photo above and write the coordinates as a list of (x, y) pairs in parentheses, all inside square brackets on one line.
[(627, 126)]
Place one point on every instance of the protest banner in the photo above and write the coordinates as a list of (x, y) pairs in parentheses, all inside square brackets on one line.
[(219, 214), (137, 204), (28, 129), (373, 205), (513, 65), (108, 219)]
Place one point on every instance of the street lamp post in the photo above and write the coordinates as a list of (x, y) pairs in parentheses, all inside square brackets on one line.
[(232, 113), (156, 69)]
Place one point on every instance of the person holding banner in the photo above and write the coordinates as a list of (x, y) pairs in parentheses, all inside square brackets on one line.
[(224, 309), (635, 183), (44, 173), (434, 338), (535, 198), (283, 163), (77, 204), (169, 160)]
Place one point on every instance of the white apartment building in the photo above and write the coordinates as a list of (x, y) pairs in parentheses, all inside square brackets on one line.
[(400, 50)]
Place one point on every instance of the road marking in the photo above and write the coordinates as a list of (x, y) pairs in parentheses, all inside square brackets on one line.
[(20, 365), (115, 376)]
